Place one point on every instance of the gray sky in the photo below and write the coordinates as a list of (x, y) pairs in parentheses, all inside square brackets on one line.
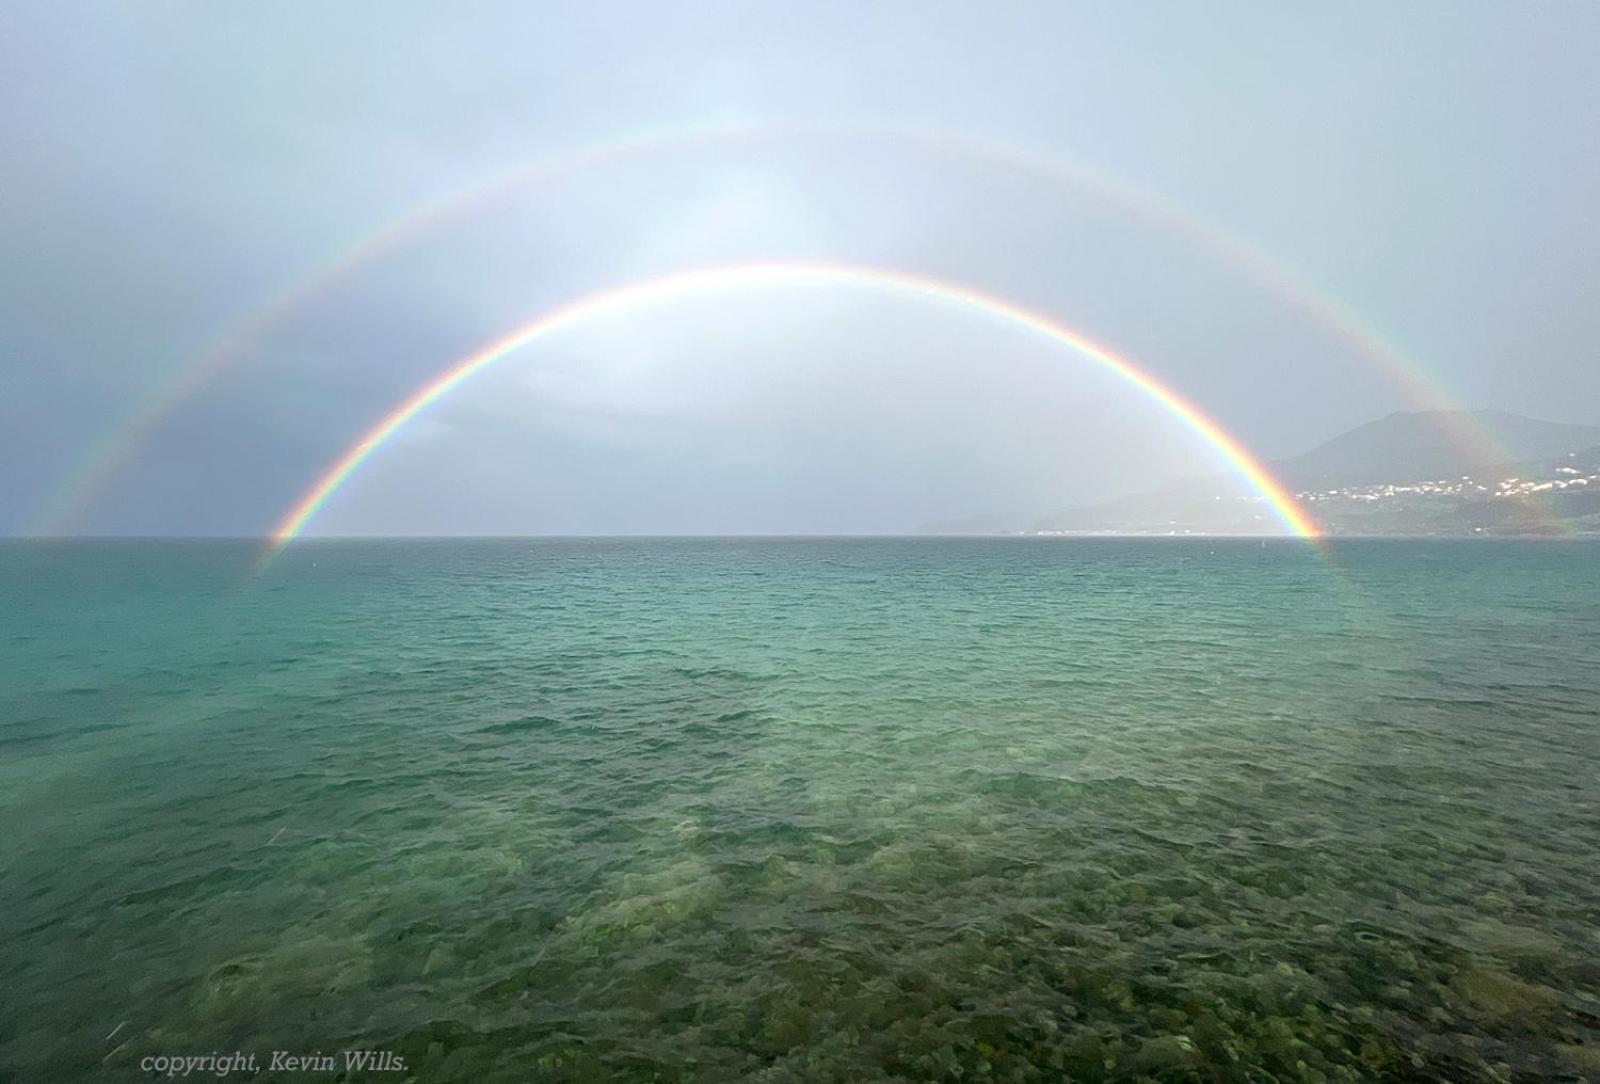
[(170, 168)]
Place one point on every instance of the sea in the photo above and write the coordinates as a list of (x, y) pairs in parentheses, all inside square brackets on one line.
[(800, 809)]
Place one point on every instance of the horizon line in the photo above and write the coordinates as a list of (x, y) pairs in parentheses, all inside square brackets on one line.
[(796, 535)]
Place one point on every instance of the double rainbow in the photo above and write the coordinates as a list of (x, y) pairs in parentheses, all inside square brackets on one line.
[(103, 458)]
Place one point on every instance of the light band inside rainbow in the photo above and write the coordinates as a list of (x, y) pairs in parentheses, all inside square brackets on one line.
[(1238, 458)]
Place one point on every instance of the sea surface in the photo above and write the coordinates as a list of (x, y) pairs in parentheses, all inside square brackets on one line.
[(804, 810)]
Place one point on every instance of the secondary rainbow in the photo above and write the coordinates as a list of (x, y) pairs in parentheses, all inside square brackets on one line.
[(103, 458), (1228, 448)]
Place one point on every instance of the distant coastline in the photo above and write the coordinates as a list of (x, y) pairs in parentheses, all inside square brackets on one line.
[(1403, 476)]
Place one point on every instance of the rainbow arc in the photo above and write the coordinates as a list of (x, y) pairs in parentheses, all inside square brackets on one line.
[(1228, 448), (103, 458)]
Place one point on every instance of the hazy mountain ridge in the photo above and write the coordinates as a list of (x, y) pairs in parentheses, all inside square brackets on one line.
[(1422, 446), (1410, 473)]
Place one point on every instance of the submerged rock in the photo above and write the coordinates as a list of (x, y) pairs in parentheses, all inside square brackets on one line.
[(1491, 996)]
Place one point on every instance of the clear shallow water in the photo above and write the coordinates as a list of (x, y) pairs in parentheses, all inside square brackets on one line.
[(805, 810)]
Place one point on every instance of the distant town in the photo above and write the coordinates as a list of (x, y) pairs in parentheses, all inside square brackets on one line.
[(1402, 475), (1566, 477)]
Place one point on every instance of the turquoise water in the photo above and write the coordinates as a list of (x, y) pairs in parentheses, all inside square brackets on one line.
[(804, 810)]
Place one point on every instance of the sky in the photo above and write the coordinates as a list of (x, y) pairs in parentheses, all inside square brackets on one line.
[(1425, 171)]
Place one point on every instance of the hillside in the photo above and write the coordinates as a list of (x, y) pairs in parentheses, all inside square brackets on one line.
[(1414, 447), (1424, 473)]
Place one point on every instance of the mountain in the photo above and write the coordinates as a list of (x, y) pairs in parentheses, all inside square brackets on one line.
[(1426, 473), (1415, 447)]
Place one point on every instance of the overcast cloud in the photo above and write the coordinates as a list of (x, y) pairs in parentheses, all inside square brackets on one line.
[(170, 168)]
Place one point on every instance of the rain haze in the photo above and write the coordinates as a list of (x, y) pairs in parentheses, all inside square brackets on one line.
[(236, 238)]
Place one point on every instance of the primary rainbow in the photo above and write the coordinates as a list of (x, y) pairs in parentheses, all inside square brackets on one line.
[(1227, 448)]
